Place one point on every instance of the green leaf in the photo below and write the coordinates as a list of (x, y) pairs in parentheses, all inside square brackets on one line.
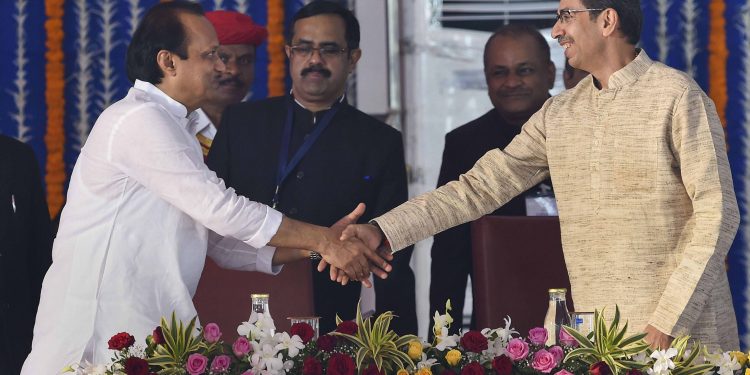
[(582, 340)]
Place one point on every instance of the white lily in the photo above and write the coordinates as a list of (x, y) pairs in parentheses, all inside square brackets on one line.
[(89, 368), (726, 363), (264, 357), (445, 341), (292, 344), (428, 363), (662, 361)]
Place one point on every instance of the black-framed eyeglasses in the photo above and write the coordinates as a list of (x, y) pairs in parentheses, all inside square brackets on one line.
[(567, 15), (305, 51)]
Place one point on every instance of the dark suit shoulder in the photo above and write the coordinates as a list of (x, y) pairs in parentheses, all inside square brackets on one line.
[(370, 124), (480, 126), (15, 150)]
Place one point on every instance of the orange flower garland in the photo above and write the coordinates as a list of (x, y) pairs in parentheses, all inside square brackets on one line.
[(55, 75), (276, 55), (717, 58)]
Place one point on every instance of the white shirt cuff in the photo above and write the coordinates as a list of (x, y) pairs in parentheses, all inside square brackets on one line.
[(264, 261)]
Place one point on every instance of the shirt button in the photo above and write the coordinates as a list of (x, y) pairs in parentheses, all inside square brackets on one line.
[(300, 175), (293, 211)]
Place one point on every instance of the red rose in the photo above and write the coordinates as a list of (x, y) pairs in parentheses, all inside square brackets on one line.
[(120, 341), (136, 366), (600, 368), (157, 336), (340, 364), (502, 365), (326, 343), (348, 327), (473, 368), (303, 330), (312, 366), (373, 370), (474, 341)]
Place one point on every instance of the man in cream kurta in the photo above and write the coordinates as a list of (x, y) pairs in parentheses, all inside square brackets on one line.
[(643, 187)]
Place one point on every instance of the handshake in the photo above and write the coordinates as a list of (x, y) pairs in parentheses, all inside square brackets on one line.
[(352, 250), (355, 250)]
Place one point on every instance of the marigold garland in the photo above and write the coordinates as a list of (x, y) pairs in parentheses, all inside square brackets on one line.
[(276, 55), (54, 95), (717, 58)]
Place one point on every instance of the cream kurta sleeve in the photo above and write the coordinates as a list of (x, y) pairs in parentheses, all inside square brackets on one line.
[(698, 145), (496, 178)]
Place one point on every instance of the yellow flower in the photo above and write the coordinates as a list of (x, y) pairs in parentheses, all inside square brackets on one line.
[(424, 371), (415, 350), (740, 357), (402, 372), (747, 371), (452, 357)]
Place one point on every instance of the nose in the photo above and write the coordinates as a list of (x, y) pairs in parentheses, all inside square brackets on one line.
[(230, 66), (513, 80), (315, 56), (219, 65), (556, 30)]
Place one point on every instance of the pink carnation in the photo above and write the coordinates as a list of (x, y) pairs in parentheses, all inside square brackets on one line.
[(563, 372), (196, 364), (538, 336), (567, 339), (543, 361), (517, 349), (558, 353), (241, 346), (221, 363), (211, 332)]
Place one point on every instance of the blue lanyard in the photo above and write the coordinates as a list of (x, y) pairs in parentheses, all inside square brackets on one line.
[(285, 168)]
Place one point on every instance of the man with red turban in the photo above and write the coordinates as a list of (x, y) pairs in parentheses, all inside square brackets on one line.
[(239, 36)]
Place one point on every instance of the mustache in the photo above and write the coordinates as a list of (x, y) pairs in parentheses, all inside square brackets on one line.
[(316, 69), (515, 92), (564, 39), (230, 81)]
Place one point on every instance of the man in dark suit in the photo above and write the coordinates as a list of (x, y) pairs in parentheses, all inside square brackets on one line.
[(25, 250), (519, 75), (315, 157)]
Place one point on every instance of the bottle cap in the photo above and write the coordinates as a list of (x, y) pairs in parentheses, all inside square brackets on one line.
[(558, 290), (259, 295)]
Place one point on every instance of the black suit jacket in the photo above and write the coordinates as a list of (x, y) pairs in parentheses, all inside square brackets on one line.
[(356, 159), (25, 250), (451, 249)]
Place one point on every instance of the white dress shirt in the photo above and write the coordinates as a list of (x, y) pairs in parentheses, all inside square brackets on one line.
[(142, 210)]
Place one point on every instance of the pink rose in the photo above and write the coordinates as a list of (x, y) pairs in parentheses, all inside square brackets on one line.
[(563, 372), (544, 361), (558, 353), (249, 372), (241, 346), (567, 339), (196, 364), (517, 349), (211, 332), (538, 336), (221, 363)]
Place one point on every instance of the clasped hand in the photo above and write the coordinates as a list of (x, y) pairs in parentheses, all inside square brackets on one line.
[(355, 251)]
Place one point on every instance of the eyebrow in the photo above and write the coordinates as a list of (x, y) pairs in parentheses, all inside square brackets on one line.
[(324, 43)]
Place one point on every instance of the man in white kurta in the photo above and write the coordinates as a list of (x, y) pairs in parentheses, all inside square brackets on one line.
[(143, 209)]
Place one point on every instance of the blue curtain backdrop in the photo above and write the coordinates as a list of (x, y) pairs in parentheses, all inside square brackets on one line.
[(97, 32)]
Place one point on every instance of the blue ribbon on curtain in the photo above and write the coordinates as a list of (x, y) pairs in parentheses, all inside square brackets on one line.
[(23, 111), (737, 138)]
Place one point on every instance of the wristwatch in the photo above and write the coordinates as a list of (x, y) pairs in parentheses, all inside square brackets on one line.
[(314, 255)]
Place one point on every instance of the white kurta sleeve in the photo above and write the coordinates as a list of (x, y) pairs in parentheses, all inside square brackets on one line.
[(169, 163), (234, 254)]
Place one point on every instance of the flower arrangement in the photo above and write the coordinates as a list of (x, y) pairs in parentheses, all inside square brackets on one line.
[(371, 348)]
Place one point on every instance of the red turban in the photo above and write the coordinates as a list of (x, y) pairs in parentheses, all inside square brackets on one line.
[(236, 28)]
